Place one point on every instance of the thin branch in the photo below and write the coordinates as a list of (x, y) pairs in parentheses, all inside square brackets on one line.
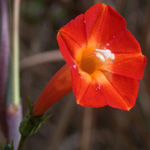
[(15, 45), (86, 129), (14, 108), (62, 126), (41, 58)]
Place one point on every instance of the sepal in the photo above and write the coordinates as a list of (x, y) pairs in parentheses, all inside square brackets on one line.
[(31, 124)]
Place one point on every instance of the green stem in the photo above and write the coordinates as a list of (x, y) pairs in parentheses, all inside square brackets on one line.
[(21, 143), (16, 86)]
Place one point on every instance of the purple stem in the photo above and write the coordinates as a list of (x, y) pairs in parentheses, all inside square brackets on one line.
[(14, 117), (10, 117), (4, 59)]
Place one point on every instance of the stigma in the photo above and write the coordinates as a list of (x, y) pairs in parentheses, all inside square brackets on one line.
[(104, 54)]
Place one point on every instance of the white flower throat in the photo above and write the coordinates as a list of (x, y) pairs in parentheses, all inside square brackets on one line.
[(104, 54)]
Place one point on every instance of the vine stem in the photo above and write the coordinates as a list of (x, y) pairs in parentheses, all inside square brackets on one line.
[(15, 117), (15, 46), (21, 143)]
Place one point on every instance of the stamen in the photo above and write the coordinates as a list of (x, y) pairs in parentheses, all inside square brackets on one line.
[(100, 56), (104, 54)]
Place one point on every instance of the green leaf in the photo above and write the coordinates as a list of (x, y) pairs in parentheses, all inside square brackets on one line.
[(31, 124)]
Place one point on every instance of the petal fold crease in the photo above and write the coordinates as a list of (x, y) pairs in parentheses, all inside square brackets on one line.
[(129, 65)]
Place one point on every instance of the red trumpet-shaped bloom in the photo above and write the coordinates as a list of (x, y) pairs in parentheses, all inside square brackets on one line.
[(104, 59)]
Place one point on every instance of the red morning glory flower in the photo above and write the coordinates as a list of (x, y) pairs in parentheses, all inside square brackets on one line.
[(104, 59)]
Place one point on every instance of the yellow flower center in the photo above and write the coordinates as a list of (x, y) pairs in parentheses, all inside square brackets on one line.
[(96, 59)]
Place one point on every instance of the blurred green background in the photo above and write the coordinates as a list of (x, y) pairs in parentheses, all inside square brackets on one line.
[(71, 126)]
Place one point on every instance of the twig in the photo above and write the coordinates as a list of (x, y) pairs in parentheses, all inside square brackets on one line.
[(14, 108), (15, 45), (21, 143), (86, 129), (62, 126), (37, 59)]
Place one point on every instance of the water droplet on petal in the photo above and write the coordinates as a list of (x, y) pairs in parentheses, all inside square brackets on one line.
[(107, 44), (98, 87), (84, 21), (74, 66), (81, 77)]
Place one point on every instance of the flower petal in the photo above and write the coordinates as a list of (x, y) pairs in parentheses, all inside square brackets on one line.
[(74, 38), (54, 90), (117, 90), (126, 87), (113, 24), (129, 65), (93, 96), (65, 50), (124, 43), (93, 21), (102, 24), (98, 82), (86, 89)]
